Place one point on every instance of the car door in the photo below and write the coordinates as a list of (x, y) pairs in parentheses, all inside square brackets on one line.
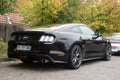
[(93, 46), (99, 46)]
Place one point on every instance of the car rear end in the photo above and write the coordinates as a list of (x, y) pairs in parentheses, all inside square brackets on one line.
[(115, 43), (36, 45)]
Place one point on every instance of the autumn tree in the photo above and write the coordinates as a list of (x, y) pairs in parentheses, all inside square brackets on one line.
[(68, 13), (40, 12), (7, 6), (106, 16), (102, 15)]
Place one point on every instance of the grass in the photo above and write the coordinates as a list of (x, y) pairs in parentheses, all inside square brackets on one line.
[(3, 49)]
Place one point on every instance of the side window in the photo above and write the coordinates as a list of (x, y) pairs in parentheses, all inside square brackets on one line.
[(73, 29), (86, 30)]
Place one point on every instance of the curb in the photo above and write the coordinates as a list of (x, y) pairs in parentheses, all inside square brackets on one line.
[(6, 59)]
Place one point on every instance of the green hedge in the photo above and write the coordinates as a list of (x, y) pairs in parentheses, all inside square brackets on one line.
[(3, 49)]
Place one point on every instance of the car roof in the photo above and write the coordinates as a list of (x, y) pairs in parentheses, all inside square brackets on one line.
[(66, 25), (57, 27)]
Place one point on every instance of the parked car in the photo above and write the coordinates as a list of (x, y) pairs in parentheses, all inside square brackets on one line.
[(115, 42), (68, 43)]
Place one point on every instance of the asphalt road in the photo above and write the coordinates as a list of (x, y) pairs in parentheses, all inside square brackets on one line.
[(90, 70)]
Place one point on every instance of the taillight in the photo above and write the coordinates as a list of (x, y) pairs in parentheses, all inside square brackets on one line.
[(46, 38)]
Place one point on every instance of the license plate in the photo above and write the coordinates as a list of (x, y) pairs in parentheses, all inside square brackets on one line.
[(23, 47)]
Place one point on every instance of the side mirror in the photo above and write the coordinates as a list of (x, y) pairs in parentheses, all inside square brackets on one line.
[(98, 34)]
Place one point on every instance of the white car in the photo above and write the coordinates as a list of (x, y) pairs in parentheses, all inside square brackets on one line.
[(115, 42)]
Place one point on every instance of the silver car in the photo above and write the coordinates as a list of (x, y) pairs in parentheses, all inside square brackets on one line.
[(115, 42)]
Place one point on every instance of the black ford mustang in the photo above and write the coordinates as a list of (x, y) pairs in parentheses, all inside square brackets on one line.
[(69, 43)]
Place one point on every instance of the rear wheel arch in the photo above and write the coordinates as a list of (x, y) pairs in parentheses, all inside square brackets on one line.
[(77, 43)]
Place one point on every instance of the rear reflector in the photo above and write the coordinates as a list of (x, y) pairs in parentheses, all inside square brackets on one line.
[(61, 54)]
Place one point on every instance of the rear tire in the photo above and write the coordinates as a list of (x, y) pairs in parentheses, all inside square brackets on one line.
[(74, 57), (108, 53)]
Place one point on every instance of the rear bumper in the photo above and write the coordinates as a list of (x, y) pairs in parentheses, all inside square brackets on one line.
[(56, 52), (115, 48), (53, 56), (115, 51)]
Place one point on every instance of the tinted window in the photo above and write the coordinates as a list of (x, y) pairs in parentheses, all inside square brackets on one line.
[(74, 29), (86, 30), (70, 28)]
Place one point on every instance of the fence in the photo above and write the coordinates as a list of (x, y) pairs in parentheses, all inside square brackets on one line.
[(7, 29)]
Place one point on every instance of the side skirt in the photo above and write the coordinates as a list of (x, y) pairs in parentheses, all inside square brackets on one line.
[(92, 58)]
